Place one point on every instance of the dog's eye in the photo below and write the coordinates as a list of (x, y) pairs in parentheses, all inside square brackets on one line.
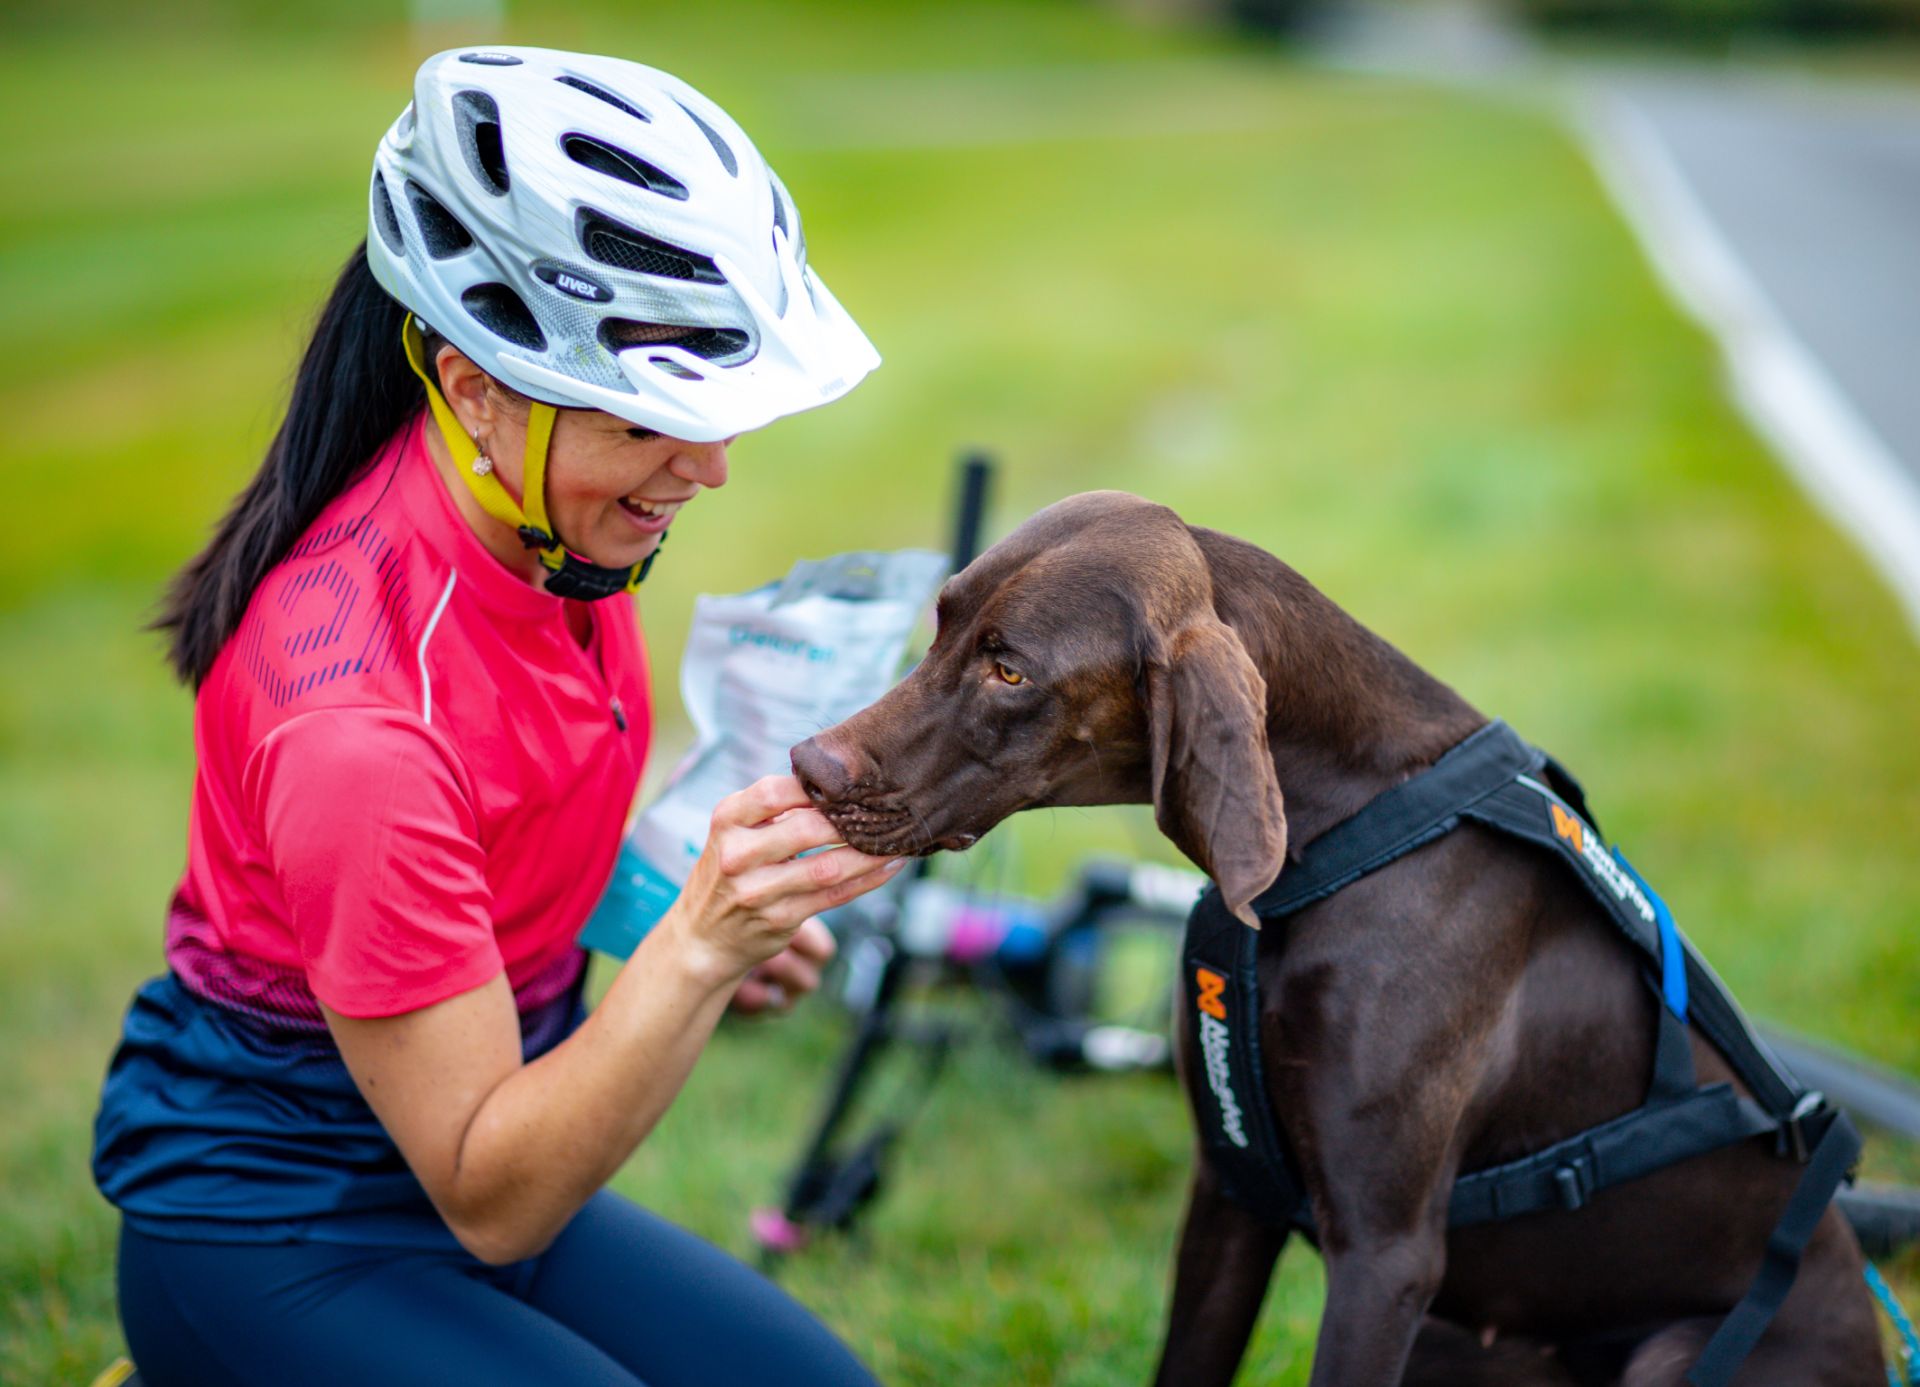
[(1008, 675)]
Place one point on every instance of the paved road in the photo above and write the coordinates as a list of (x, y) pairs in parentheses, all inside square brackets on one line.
[(1784, 211), (1813, 186), (1816, 191)]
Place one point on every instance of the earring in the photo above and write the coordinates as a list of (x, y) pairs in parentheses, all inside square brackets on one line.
[(482, 464)]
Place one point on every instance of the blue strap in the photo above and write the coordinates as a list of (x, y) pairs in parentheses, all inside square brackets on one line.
[(1902, 1325), (1673, 959)]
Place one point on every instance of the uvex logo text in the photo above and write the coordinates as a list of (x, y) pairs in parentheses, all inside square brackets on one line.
[(569, 280)]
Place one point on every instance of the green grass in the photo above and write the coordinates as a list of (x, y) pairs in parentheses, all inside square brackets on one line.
[(1393, 335)]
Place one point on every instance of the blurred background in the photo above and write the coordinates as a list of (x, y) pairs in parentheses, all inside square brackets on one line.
[(1570, 345)]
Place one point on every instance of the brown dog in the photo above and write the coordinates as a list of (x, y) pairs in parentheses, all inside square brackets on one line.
[(1464, 1006)]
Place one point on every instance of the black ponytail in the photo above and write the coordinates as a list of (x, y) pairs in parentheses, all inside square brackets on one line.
[(354, 390)]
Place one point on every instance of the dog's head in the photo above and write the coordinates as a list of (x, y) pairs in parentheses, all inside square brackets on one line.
[(1078, 661)]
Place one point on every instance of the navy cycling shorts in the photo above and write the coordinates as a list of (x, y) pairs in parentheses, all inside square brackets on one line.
[(622, 1298)]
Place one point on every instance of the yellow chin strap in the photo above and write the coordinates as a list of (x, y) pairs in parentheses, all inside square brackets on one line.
[(568, 574)]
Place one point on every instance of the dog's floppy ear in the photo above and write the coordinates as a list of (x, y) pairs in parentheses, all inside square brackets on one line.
[(1214, 791)]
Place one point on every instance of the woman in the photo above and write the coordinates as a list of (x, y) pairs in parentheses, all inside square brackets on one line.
[(359, 1132)]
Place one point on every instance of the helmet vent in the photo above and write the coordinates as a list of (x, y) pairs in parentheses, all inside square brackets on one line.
[(485, 59), (709, 343), (727, 161), (502, 312), (614, 162), (478, 119), (384, 218), (438, 227), (779, 212), (674, 368), (581, 84), (611, 243)]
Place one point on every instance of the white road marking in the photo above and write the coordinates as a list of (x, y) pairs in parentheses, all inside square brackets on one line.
[(1834, 453)]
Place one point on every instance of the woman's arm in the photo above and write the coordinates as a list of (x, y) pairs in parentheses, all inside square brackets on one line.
[(509, 1152)]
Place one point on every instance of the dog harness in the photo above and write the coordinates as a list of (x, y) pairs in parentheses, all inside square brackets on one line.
[(1496, 779)]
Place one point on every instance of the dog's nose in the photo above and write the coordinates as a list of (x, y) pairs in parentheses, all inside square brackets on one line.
[(823, 774)]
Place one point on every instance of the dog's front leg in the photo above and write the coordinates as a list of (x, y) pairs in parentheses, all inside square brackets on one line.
[(1373, 1120), (1379, 1172), (1378, 1289), (1220, 1276)]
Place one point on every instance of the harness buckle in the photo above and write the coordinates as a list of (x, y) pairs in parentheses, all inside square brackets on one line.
[(1793, 1131), (1573, 1182)]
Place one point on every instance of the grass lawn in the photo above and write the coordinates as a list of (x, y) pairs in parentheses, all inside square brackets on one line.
[(1394, 335)]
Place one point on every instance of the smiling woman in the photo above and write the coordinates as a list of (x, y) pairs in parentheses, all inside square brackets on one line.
[(419, 724), (611, 488)]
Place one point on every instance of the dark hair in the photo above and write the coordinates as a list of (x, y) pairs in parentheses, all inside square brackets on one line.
[(354, 390)]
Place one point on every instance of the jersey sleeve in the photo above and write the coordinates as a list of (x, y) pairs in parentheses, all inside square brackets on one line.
[(369, 825)]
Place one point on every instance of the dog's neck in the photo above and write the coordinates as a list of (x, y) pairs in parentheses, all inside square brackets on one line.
[(1348, 716)]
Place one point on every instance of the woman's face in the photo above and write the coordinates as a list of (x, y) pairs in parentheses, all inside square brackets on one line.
[(612, 488)]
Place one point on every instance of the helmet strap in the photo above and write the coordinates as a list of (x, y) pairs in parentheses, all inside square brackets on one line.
[(568, 575)]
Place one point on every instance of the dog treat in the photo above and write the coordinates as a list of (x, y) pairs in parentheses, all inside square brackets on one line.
[(763, 670)]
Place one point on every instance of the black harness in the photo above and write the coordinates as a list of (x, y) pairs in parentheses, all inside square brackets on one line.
[(1496, 779)]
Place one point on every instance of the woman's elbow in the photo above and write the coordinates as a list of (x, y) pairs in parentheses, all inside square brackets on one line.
[(497, 1243), (494, 1230), (496, 1252)]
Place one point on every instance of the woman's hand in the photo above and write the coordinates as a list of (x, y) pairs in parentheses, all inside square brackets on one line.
[(780, 982), (749, 893)]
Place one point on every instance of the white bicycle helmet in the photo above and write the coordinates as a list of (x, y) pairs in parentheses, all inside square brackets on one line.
[(598, 235)]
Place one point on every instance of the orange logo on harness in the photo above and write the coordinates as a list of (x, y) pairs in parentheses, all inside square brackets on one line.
[(1568, 827), (1213, 989)]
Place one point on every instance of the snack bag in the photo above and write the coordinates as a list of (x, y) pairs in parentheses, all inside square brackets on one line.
[(763, 670)]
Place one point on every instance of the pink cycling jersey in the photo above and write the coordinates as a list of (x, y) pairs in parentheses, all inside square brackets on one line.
[(411, 774)]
